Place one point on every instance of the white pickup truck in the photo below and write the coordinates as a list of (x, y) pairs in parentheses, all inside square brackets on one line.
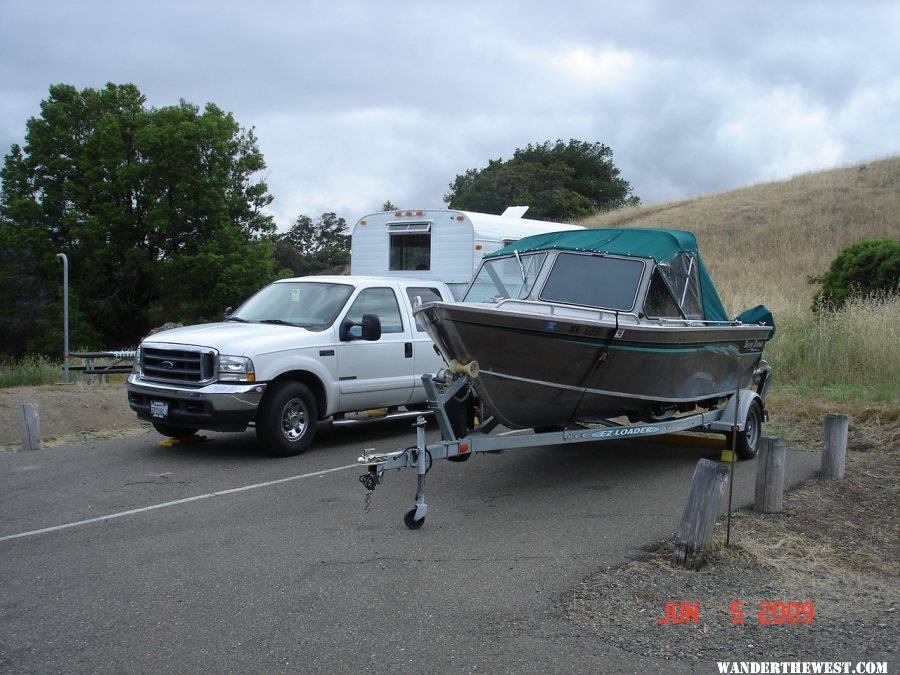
[(297, 352)]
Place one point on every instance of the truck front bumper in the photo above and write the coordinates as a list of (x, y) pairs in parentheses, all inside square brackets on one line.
[(216, 407)]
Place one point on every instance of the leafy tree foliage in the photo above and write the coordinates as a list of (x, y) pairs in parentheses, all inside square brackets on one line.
[(157, 210), (319, 247), (388, 206), (558, 181), (863, 268)]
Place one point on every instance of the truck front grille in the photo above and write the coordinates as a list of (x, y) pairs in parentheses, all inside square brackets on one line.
[(191, 366)]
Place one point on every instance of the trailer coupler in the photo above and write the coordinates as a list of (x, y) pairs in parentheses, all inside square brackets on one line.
[(415, 456)]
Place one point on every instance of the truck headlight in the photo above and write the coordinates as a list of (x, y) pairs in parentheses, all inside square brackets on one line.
[(236, 369), (136, 362)]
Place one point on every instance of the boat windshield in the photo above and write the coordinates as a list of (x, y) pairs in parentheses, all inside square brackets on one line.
[(508, 277), (594, 281), (681, 273), (309, 305)]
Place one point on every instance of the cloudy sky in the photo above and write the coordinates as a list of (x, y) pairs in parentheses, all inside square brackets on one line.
[(355, 102)]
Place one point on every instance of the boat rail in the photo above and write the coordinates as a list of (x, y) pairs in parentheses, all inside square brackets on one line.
[(696, 322), (561, 311)]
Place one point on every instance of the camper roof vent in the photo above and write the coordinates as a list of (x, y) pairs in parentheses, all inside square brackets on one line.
[(412, 228)]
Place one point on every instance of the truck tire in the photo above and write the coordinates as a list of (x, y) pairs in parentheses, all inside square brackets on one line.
[(173, 432), (287, 419)]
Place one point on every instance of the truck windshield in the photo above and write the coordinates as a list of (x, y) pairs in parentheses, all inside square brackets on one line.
[(507, 277), (310, 305)]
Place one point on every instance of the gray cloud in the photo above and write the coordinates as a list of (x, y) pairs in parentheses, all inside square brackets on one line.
[(355, 102)]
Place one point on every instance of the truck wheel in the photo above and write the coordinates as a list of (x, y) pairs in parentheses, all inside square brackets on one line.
[(748, 439), (173, 432), (287, 418)]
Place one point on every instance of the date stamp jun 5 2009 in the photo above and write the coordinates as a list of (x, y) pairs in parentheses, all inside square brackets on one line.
[(776, 612)]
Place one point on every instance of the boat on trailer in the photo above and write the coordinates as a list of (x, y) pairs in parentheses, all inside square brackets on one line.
[(564, 332), (574, 326)]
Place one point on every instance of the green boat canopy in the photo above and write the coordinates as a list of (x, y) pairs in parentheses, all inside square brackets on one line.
[(673, 250)]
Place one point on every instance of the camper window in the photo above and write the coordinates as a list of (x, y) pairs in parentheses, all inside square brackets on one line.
[(410, 245)]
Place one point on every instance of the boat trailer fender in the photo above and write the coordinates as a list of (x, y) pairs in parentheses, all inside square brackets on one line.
[(727, 420)]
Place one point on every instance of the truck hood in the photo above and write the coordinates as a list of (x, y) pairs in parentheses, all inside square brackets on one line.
[(239, 339)]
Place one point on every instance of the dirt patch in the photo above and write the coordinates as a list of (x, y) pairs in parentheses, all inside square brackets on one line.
[(68, 414), (836, 545)]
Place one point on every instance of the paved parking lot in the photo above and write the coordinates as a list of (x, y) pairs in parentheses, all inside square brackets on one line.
[(220, 559)]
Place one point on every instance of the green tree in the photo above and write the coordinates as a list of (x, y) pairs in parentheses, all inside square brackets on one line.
[(388, 206), (158, 210), (558, 181), (316, 247)]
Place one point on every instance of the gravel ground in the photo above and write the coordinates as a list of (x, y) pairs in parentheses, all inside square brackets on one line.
[(835, 545), (69, 413)]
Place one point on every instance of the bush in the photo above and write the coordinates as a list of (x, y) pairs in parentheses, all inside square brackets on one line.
[(30, 370), (870, 267)]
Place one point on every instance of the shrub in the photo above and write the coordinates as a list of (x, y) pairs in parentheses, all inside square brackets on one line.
[(870, 267), (30, 370)]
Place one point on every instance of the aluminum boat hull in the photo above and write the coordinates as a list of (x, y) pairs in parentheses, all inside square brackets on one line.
[(538, 369)]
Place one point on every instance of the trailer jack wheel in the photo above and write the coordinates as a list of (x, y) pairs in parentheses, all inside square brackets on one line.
[(409, 519)]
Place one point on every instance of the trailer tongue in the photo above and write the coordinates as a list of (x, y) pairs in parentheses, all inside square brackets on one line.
[(450, 394)]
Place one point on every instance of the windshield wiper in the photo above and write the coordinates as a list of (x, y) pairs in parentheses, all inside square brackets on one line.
[(278, 322), (237, 318)]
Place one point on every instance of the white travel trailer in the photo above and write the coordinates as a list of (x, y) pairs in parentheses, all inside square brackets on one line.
[(437, 244)]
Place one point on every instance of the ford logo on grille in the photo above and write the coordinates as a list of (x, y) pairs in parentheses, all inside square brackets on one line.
[(168, 365)]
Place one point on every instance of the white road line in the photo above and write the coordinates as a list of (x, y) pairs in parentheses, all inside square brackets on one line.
[(164, 505)]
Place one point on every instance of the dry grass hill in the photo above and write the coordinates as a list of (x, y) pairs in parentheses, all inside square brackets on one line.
[(761, 243)]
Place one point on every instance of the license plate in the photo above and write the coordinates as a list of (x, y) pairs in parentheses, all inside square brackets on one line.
[(159, 409)]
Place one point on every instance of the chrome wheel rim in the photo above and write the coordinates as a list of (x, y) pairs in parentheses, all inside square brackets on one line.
[(294, 420)]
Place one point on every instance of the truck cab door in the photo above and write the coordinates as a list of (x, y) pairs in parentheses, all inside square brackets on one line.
[(376, 373)]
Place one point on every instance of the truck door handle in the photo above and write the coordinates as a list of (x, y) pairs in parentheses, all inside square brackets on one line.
[(407, 348)]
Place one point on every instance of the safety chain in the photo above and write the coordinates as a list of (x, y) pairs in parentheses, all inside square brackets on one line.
[(370, 481)]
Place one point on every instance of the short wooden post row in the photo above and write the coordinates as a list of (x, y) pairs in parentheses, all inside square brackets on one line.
[(770, 475), (698, 522), (31, 428), (834, 454)]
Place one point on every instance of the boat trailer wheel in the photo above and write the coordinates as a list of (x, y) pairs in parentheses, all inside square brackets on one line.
[(409, 519)]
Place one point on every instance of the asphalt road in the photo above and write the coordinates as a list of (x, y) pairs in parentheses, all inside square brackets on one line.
[(220, 559)]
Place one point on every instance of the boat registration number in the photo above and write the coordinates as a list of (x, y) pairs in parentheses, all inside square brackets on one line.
[(159, 409)]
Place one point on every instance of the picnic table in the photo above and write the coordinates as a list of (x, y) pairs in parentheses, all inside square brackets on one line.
[(101, 364)]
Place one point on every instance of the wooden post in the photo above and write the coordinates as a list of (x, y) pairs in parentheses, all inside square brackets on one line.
[(699, 519), (834, 454), (31, 427), (770, 475)]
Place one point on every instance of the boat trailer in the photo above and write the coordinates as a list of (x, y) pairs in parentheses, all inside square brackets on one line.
[(449, 388)]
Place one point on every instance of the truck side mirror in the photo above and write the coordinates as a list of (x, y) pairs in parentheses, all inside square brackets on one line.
[(371, 329), (228, 311)]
